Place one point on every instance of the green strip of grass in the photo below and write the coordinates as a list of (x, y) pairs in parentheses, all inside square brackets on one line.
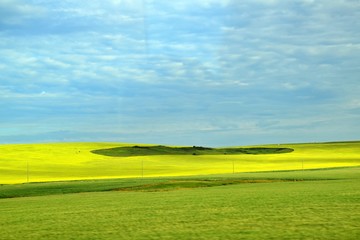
[(171, 183)]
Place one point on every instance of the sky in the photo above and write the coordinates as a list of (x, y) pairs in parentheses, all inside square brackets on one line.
[(203, 72)]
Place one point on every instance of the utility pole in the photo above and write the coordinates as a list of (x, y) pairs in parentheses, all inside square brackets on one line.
[(302, 164), (233, 162), (27, 170), (142, 168)]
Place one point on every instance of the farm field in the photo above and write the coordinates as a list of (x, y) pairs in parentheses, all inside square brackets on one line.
[(127, 191), (20, 163), (309, 204)]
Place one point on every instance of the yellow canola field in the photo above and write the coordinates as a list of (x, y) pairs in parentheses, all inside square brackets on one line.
[(20, 163)]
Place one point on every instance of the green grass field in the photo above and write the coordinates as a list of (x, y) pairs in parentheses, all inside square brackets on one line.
[(312, 192), (310, 204)]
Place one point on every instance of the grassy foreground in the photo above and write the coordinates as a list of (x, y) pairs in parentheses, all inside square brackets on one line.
[(21, 163), (321, 204)]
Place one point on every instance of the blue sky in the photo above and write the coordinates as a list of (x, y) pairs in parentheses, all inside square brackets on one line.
[(206, 72)]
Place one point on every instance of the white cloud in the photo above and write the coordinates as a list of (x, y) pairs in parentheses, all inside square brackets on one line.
[(209, 3), (17, 11), (7, 94), (129, 3), (353, 104), (55, 63)]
